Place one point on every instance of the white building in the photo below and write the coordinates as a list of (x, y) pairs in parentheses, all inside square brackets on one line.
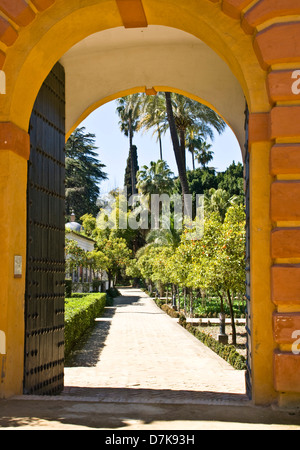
[(83, 274)]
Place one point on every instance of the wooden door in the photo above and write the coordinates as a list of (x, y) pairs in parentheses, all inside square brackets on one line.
[(45, 274)]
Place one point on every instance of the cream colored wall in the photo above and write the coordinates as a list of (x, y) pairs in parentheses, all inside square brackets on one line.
[(113, 61), (85, 244)]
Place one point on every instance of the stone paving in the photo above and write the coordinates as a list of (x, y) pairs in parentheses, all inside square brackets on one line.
[(137, 353), (139, 370)]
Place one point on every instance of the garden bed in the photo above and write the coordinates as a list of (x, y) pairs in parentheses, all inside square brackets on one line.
[(234, 355), (80, 314), (241, 336)]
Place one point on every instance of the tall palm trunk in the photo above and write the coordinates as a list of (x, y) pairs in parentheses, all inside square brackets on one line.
[(160, 143), (193, 156), (132, 149), (182, 145), (176, 146)]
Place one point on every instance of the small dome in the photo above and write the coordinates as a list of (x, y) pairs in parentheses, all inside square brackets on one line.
[(74, 226)]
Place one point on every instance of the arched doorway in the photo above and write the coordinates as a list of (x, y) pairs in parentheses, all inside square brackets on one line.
[(49, 29)]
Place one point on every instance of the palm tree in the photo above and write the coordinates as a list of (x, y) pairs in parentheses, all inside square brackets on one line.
[(195, 122), (218, 201), (203, 154), (182, 114), (154, 116), (155, 179), (129, 113), (194, 142), (176, 145), (185, 115)]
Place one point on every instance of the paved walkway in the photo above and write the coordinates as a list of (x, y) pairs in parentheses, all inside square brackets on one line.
[(137, 352), (140, 370)]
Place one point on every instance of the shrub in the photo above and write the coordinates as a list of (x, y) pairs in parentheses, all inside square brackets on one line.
[(113, 292), (227, 352), (170, 311), (80, 314), (68, 288), (96, 285)]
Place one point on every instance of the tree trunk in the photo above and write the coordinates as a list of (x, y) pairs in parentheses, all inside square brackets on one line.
[(191, 303), (109, 276), (176, 146), (232, 317), (132, 150), (182, 146), (193, 158), (222, 316), (160, 144)]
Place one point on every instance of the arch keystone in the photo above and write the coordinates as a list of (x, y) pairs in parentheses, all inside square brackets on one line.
[(132, 13)]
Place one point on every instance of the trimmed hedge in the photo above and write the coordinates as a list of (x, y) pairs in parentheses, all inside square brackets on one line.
[(227, 352), (68, 288), (170, 311), (80, 315)]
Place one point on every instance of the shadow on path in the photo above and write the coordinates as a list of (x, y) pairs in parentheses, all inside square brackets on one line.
[(88, 349), (65, 414)]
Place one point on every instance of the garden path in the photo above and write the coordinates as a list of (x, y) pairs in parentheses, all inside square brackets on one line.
[(137, 353)]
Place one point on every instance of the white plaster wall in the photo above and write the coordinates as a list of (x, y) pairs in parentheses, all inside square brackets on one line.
[(83, 243), (115, 60)]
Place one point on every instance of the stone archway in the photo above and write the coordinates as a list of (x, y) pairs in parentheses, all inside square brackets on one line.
[(259, 45)]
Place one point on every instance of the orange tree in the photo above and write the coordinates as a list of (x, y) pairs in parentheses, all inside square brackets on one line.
[(114, 254)]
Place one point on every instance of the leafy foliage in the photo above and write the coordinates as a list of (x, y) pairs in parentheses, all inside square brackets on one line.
[(84, 172), (80, 314)]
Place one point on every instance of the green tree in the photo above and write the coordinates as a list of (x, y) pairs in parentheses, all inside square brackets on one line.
[(179, 156), (89, 224), (127, 177), (129, 112), (232, 257), (203, 154), (232, 181), (114, 254), (188, 116), (218, 201), (155, 179), (84, 172), (154, 116), (220, 258), (75, 256)]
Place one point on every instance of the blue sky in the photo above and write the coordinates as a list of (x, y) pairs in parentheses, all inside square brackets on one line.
[(113, 147)]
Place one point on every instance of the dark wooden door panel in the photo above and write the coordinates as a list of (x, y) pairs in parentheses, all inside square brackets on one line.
[(44, 299), (248, 281)]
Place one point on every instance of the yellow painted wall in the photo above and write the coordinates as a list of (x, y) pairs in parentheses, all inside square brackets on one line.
[(39, 46), (13, 182)]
